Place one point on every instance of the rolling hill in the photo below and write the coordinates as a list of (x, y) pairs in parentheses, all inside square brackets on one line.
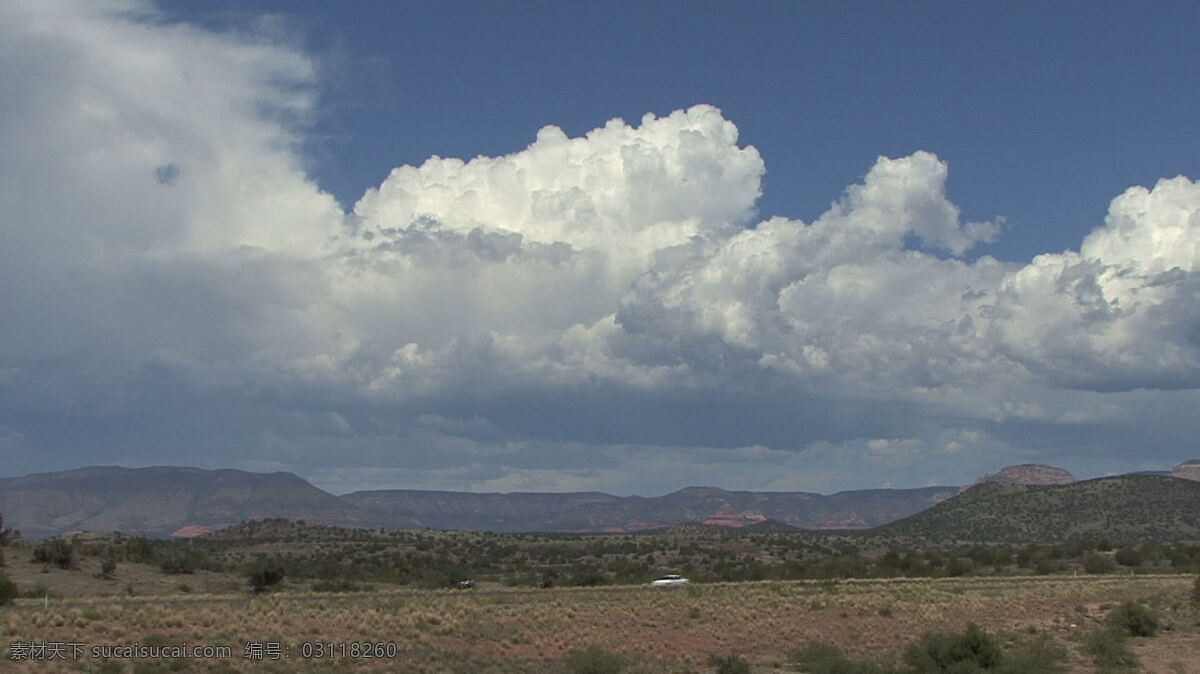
[(164, 500), (1123, 509), (1015, 505), (597, 512)]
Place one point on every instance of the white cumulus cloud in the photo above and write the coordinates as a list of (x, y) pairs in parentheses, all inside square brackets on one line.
[(172, 271)]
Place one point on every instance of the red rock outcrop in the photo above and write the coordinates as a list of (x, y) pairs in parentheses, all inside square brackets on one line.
[(728, 517), (1188, 470), (192, 531), (1028, 473)]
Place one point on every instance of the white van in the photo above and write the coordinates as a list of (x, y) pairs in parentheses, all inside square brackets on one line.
[(669, 580)]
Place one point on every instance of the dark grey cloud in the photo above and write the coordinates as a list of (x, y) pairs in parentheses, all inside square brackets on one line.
[(166, 174)]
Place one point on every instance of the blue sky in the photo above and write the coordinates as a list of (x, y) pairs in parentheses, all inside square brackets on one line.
[(787, 246), (1045, 110)]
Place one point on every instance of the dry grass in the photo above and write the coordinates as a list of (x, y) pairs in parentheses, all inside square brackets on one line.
[(138, 579), (659, 630)]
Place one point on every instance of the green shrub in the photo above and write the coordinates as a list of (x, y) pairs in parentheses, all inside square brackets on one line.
[(263, 575), (180, 562), (593, 660), (139, 550), (7, 535), (822, 658), (816, 652), (729, 664), (1041, 655), (973, 650), (1098, 563), (1196, 591), (156, 639), (1137, 620), (1128, 557), (1110, 651), (339, 586), (8, 590), (108, 567), (55, 551), (587, 576), (958, 566)]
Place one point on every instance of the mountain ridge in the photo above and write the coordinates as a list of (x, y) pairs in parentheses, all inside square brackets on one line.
[(1122, 509), (186, 501), (597, 511), (161, 500)]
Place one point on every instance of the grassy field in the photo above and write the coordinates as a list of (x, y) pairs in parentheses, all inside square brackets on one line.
[(651, 630)]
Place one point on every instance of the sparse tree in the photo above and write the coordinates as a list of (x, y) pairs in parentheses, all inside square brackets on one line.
[(1128, 557), (7, 536), (108, 567), (57, 552), (263, 575), (1110, 650), (180, 561), (729, 664), (973, 650), (1098, 563), (1134, 619), (8, 590), (139, 550)]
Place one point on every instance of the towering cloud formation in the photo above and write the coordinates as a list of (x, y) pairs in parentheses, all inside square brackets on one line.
[(1122, 312), (627, 191), (578, 313)]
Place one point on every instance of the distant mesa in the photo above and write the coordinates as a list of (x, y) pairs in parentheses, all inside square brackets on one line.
[(851, 521), (770, 525), (1028, 474), (192, 531), (634, 525), (183, 502), (1188, 470), (639, 525), (726, 516), (163, 501), (1030, 502)]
